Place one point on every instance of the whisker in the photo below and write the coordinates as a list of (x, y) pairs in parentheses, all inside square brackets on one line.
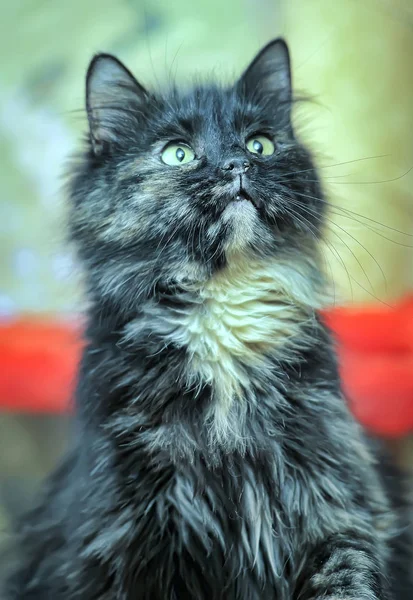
[(377, 182), (167, 241), (333, 281), (315, 214), (347, 162), (347, 210), (338, 256), (333, 249), (217, 249), (316, 233), (361, 223), (354, 255), (374, 230), (357, 260)]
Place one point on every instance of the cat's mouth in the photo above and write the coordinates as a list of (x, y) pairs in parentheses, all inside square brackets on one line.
[(243, 196)]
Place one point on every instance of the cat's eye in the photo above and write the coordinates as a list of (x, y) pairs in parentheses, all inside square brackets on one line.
[(176, 154), (260, 144)]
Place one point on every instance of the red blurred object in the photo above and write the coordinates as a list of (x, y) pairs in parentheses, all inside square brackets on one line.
[(375, 346), (38, 362)]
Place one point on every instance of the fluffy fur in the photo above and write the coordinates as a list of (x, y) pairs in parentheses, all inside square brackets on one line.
[(213, 455)]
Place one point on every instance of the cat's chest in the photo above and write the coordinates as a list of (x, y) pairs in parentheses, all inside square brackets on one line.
[(228, 518), (240, 320)]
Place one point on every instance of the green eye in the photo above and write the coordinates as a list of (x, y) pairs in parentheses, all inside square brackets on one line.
[(177, 154), (260, 144)]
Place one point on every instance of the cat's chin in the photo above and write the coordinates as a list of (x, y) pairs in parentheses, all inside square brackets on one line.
[(242, 217), (241, 209)]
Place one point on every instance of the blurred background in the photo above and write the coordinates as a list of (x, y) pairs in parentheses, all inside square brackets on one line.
[(353, 58)]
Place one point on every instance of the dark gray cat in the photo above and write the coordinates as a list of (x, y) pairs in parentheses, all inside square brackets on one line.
[(214, 457)]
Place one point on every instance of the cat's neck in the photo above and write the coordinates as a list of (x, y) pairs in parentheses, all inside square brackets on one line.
[(214, 347), (241, 314), (230, 325)]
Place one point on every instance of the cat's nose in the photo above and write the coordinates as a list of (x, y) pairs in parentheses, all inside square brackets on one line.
[(235, 166)]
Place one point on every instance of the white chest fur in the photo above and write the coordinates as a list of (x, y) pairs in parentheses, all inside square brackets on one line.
[(245, 314)]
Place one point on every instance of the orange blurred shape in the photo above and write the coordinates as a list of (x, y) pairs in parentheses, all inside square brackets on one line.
[(375, 348), (39, 358), (38, 364)]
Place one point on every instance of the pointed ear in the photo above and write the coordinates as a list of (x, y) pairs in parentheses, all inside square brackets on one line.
[(111, 91), (270, 72)]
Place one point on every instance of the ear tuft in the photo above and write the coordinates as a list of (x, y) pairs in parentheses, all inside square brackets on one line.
[(111, 90)]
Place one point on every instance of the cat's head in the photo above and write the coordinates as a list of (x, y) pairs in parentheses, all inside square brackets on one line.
[(176, 185)]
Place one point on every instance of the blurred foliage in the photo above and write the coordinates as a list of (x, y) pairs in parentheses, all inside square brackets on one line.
[(41, 111), (353, 58)]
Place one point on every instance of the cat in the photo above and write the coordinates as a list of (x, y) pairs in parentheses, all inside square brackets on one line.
[(213, 455)]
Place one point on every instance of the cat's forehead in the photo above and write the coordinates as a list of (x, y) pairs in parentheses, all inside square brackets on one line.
[(210, 107)]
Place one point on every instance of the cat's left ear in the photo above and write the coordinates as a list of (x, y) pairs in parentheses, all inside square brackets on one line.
[(112, 93), (270, 72)]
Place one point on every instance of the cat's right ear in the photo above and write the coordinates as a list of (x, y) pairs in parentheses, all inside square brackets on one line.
[(270, 72), (111, 91)]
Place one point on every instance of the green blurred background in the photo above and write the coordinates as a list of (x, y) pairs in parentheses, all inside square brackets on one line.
[(45, 48), (353, 57)]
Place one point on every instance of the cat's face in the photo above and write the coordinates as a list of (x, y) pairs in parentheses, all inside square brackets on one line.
[(177, 185)]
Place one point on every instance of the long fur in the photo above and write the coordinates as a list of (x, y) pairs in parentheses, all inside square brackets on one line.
[(213, 456)]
